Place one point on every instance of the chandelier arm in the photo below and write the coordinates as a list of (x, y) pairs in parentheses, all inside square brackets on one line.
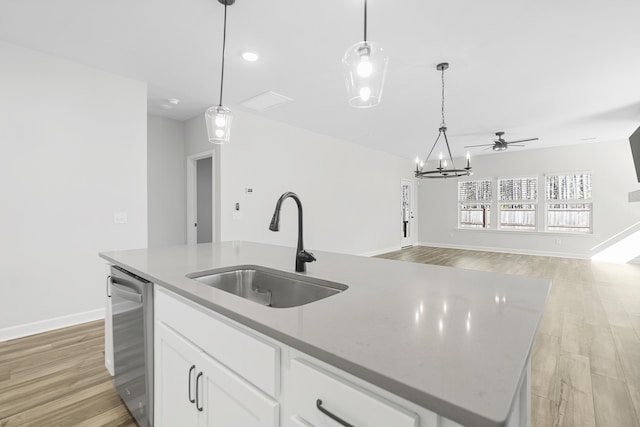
[(453, 166), (432, 148), (224, 43)]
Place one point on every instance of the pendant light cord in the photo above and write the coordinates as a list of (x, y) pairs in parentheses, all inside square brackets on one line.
[(365, 20), (224, 43)]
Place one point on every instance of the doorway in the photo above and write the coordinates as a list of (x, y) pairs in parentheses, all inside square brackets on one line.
[(407, 217), (200, 198)]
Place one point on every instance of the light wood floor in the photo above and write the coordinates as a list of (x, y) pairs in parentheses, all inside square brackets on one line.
[(58, 379), (585, 363), (586, 358)]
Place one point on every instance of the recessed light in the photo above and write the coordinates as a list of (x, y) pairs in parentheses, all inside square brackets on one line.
[(250, 56)]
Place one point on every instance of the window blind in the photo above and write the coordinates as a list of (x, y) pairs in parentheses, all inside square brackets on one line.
[(568, 187), (518, 189), (479, 191)]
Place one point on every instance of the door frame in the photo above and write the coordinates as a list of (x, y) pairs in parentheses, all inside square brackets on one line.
[(412, 213), (192, 199)]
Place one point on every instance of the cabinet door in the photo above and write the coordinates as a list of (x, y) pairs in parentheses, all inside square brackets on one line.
[(176, 369), (231, 401)]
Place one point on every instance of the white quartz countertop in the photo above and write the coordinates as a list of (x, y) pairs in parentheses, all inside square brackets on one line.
[(451, 340)]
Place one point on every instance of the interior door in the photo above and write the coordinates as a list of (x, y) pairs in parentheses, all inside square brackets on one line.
[(407, 223), (204, 194)]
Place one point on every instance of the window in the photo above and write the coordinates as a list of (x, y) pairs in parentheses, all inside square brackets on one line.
[(569, 205), (518, 201), (474, 204)]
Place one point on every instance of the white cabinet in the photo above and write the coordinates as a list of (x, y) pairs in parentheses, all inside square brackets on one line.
[(192, 388), (175, 379)]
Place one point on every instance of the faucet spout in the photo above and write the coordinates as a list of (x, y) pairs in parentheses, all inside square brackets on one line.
[(302, 256)]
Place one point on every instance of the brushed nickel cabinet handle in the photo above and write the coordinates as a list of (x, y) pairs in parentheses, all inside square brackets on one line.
[(200, 408), (331, 415), (108, 283), (191, 369)]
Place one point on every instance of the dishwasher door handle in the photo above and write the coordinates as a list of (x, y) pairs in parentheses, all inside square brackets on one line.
[(125, 292)]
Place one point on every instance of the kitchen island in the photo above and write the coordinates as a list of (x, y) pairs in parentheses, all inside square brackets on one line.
[(455, 342)]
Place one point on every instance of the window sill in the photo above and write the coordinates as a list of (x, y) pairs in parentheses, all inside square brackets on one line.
[(521, 232)]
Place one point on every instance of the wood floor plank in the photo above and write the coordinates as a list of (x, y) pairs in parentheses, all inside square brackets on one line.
[(612, 403), (58, 379), (574, 393), (628, 345), (544, 366)]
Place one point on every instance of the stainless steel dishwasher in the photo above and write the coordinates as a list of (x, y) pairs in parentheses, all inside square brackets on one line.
[(132, 315)]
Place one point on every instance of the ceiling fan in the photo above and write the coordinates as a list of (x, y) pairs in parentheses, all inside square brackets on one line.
[(500, 144)]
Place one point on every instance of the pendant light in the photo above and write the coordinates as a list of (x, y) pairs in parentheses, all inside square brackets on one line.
[(365, 66), (443, 170), (219, 118)]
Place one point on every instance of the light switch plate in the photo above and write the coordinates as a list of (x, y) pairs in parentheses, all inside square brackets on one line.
[(120, 218)]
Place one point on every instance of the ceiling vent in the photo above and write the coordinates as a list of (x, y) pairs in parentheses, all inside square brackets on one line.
[(265, 101)]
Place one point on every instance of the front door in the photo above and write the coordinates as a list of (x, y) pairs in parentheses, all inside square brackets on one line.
[(406, 214)]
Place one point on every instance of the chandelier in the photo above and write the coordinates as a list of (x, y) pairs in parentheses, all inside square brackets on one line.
[(443, 170)]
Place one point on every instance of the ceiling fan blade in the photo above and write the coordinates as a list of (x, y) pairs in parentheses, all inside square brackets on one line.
[(517, 145), (481, 145), (522, 140)]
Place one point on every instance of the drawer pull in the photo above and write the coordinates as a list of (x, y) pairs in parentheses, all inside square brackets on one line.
[(191, 369), (332, 416)]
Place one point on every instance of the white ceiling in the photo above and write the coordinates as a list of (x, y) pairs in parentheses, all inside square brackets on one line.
[(563, 70)]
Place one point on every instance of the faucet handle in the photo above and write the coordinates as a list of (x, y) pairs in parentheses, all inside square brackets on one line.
[(305, 256)]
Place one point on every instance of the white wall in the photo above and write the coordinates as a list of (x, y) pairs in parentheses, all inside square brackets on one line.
[(350, 194), (613, 178), (73, 145), (166, 176)]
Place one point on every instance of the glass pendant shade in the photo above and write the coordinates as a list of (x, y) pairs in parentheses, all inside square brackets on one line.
[(365, 67), (219, 124)]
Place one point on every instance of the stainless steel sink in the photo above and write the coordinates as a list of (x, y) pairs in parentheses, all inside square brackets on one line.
[(269, 287)]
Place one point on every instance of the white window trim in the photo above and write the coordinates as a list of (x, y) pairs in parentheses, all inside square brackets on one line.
[(490, 202), (546, 202), (516, 202)]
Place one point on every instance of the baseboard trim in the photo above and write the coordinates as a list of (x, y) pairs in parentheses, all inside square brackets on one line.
[(381, 251), (33, 328), (505, 251)]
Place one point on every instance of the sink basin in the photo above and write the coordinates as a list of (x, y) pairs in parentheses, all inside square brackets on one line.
[(269, 287)]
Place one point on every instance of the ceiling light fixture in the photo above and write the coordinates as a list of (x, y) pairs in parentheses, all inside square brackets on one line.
[(219, 118), (365, 66), (250, 56), (442, 171)]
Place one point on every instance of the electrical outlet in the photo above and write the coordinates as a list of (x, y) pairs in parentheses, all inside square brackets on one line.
[(558, 241)]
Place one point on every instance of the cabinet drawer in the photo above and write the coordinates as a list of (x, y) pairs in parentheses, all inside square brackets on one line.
[(250, 356), (351, 403)]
